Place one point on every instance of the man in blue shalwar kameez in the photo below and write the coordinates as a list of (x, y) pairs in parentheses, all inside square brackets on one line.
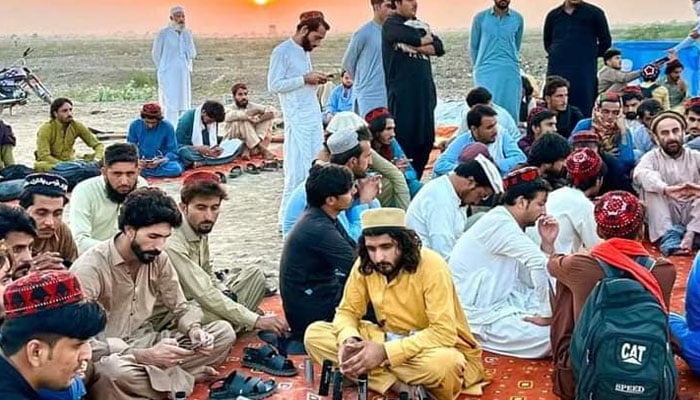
[(155, 138), (495, 46)]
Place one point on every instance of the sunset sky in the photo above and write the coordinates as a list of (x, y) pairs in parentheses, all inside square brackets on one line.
[(229, 17)]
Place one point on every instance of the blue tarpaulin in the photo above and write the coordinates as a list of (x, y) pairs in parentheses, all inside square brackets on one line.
[(644, 52)]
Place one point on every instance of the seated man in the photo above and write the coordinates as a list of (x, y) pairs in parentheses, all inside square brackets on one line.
[(341, 97), (611, 78), (424, 337), (235, 300), (155, 139), (438, 213), (483, 128), (198, 136), (620, 222), (318, 253), (128, 275), (508, 311), (556, 97), (506, 123), (44, 197), (548, 153), (669, 177), (95, 202), (539, 122), (616, 142), (18, 231), (55, 140), (685, 328), (350, 149), (631, 99), (382, 127), (641, 134), (249, 122), (45, 337), (692, 118), (651, 89)]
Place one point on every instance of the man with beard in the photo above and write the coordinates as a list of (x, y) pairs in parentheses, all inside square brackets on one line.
[(249, 122), (236, 299), (318, 253), (556, 97), (95, 202), (575, 35), (155, 138), (611, 77), (352, 149), (293, 79), (407, 45), (539, 122), (692, 118), (502, 284), (340, 98), (18, 230), (423, 337), (496, 36), (439, 214), (646, 112), (631, 99), (483, 128), (44, 197), (363, 61), (128, 274), (173, 52), (55, 140), (669, 177)]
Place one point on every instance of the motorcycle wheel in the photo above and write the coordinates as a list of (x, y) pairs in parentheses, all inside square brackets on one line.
[(39, 89)]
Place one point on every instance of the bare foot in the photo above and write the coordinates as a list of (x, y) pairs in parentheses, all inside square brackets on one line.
[(245, 155), (267, 154), (204, 374), (687, 243)]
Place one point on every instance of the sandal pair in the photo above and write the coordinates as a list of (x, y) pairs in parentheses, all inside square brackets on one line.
[(266, 359), (237, 384)]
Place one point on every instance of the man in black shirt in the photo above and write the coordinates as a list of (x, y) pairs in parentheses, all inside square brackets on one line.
[(318, 253), (44, 336), (556, 96), (407, 45)]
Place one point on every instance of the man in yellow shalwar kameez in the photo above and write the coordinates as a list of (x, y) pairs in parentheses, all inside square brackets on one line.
[(423, 338)]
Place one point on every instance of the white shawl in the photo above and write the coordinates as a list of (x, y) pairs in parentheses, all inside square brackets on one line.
[(198, 127)]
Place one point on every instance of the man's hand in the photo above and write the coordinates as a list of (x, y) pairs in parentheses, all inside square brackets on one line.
[(362, 357), (215, 151), (548, 228), (202, 341), (694, 34), (539, 321), (676, 192), (402, 163), (368, 188), (272, 323), (315, 78), (47, 261), (348, 348), (165, 354)]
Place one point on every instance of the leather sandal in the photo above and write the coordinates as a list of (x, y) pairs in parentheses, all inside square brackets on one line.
[(237, 384)]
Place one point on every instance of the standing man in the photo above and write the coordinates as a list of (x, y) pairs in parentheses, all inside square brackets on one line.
[(292, 78), (495, 43), (173, 52), (407, 45), (575, 35), (363, 61)]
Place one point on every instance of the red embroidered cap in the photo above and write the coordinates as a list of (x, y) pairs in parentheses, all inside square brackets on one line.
[(309, 15), (201, 176), (583, 164), (632, 89), (41, 291), (692, 102), (586, 137), (618, 213), (534, 112), (520, 176), (376, 113), (151, 110)]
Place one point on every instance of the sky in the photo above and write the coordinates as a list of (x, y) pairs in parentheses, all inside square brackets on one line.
[(241, 17)]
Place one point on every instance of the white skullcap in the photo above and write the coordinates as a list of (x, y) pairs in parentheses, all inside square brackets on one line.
[(345, 120), (491, 172), (342, 141), (176, 9)]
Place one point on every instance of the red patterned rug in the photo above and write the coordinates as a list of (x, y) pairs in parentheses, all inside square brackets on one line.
[(514, 379)]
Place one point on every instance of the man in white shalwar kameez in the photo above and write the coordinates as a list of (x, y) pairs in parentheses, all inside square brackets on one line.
[(292, 78), (173, 52), (500, 272)]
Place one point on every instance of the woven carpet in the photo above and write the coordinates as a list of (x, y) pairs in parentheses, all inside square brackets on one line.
[(514, 379)]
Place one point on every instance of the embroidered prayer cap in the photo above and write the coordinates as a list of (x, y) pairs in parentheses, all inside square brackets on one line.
[(50, 184), (618, 214), (201, 176), (521, 176), (309, 15), (534, 112), (345, 120), (340, 142), (634, 89), (41, 291), (471, 151), (668, 114), (377, 113), (176, 9), (491, 172), (586, 137), (151, 110), (583, 164), (384, 217), (650, 72), (691, 102), (608, 97)]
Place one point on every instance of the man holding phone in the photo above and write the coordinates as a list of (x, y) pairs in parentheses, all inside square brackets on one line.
[(155, 138)]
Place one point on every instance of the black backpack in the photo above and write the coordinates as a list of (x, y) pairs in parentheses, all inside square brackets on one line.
[(648, 92)]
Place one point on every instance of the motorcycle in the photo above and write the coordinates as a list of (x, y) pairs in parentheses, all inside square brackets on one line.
[(17, 80)]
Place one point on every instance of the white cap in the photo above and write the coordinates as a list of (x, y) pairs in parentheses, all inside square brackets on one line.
[(176, 9), (342, 141), (345, 120), (491, 172)]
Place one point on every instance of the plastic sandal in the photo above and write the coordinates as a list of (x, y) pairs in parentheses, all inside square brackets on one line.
[(235, 172), (221, 176), (267, 360), (237, 384), (270, 165), (251, 169)]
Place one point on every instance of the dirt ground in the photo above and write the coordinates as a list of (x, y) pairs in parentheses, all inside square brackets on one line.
[(246, 233)]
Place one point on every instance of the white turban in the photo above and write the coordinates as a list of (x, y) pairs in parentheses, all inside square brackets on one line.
[(176, 9)]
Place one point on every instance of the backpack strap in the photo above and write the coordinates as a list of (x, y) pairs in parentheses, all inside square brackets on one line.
[(641, 272)]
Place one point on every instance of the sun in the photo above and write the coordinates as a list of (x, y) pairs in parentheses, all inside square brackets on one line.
[(261, 2)]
